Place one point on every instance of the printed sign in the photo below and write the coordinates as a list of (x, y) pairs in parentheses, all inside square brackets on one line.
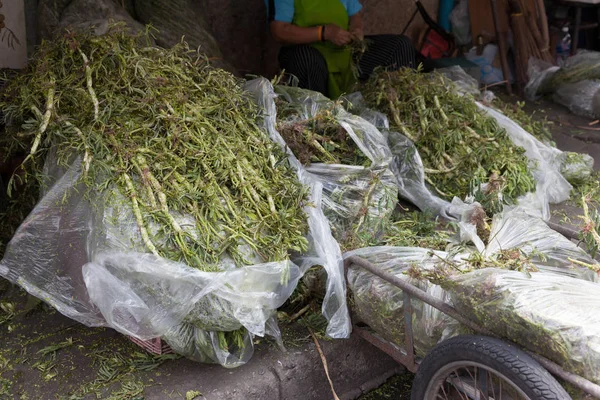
[(13, 45)]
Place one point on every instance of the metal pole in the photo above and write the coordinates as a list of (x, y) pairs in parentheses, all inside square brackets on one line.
[(563, 230), (575, 380), (417, 293)]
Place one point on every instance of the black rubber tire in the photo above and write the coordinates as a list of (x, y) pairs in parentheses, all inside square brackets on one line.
[(516, 365)]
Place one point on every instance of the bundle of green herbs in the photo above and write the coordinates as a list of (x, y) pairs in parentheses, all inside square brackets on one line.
[(359, 190), (318, 138), (171, 156), (581, 67), (171, 134), (463, 150), (545, 313)]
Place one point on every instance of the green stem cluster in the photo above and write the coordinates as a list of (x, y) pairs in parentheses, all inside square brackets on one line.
[(460, 146), (177, 138)]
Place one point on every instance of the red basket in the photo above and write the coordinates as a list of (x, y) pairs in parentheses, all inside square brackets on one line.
[(154, 346)]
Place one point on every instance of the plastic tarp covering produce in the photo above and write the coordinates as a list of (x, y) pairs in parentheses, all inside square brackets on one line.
[(582, 98), (508, 302), (539, 71), (408, 169), (325, 249), (381, 305), (547, 162), (552, 187), (83, 257), (356, 199), (574, 85), (546, 313), (545, 78)]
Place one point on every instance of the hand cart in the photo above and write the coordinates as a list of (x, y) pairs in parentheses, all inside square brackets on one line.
[(469, 367)]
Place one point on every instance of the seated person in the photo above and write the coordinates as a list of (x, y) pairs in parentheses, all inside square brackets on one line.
[(316, 35)]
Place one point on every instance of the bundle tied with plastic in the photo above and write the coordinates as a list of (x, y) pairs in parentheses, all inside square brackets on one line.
[(554, 170), (166, 209), (380, 305), (347, 155), (408, 170), (526, 287), (575, 84)]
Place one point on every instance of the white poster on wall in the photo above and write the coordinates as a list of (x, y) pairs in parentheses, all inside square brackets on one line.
[(13, 42)]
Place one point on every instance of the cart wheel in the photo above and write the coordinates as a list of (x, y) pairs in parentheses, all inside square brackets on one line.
[(477, 368)]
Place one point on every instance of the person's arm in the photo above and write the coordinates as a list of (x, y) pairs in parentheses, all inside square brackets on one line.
[(289, 33), (356, 26)]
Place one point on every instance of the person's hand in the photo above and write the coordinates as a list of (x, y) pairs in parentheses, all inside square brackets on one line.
[(337, 35), (357, 34)]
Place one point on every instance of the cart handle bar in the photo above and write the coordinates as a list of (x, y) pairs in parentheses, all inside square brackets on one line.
[(575, 380)]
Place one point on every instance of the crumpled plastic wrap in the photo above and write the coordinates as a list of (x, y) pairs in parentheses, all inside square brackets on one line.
[(575, 85), (539, 72), (357, 200), (464, 83), (408, 170), (491, 302), (324, 249), (576, 167), (381, 305), (548, 314), (77, 254), (581, 98), (547, 162)]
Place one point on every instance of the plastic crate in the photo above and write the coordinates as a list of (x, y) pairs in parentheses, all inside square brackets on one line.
[(155, 346)]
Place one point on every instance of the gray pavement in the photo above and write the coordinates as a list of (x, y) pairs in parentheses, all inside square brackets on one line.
[(44, 355)]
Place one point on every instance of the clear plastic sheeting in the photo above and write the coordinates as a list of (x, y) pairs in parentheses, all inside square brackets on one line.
[(207, 347), (545, 160), (539, 72), (549, 251), (463, 82), (549, 314), (324, 249), (357, 200), (371, 142), (87, 260), (546, 310), (407, 167), (576, 167), (546, 79), (380, 304), (581, 98)]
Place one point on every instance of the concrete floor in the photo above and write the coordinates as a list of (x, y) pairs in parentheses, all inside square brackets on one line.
[(47, 356)]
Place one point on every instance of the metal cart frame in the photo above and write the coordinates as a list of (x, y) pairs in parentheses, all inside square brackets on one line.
[(406, 356)]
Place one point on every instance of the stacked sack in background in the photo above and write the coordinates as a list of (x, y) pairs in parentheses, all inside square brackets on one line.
[(575, 85)]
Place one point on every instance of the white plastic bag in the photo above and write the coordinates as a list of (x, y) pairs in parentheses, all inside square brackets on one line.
[(461, 26), (582, 98)]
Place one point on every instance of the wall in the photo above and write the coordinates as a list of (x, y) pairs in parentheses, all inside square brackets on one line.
[(241, 29), (13, 43)]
